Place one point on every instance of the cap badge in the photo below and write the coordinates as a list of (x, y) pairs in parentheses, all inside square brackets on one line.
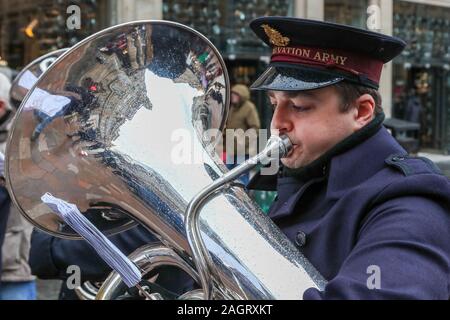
[(275, 37)]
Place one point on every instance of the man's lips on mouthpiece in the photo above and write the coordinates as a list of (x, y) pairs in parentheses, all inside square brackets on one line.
[(294, 146)]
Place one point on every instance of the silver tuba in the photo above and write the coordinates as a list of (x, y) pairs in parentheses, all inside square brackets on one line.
[(28, 76), (121, 125)]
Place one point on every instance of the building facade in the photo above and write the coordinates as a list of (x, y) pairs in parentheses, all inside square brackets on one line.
[(422, 70), (31, 28)]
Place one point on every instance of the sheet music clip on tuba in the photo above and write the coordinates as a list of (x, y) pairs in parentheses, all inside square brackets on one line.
[(103, 127)]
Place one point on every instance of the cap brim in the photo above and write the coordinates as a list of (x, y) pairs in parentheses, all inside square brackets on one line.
[(288, 78)]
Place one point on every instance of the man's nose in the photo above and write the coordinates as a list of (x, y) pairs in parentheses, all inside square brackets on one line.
[(281, 121)]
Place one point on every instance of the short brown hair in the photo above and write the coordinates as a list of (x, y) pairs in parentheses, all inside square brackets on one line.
[(349, 92)]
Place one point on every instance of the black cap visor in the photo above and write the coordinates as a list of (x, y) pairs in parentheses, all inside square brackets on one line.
[(280, 77)]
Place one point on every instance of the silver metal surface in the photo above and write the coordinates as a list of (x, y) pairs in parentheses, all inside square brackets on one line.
[(196, 294), (98, 129), (26, 78), (86, 291), (103, 129), (147, 258), (276, 148)]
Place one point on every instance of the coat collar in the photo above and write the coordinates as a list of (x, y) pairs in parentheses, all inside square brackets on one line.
[(290, 190), (363, 161)]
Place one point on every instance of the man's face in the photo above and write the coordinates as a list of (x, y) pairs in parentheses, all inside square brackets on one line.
[(313, 122), (235, 98)]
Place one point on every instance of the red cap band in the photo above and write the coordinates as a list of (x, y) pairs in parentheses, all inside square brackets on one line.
[(330, 58)]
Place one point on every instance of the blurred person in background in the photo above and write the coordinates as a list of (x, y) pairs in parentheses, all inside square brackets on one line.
[(242, 115), (413, 110), (17, 282)]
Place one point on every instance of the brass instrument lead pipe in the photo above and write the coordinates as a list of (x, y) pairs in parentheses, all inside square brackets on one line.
[(277, 147)]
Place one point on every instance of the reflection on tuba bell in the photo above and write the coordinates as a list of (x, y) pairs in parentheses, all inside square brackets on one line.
[(26, 79), (102, 129)]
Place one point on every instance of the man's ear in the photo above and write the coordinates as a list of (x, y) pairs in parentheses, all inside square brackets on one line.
[(365, 106)]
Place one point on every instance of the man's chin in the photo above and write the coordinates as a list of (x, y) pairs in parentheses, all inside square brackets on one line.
[(291, 163), (296, 161)]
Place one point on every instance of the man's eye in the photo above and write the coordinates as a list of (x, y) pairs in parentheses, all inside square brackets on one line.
[(300, 108), (273, 106)]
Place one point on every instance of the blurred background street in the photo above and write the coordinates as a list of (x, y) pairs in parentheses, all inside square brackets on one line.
[(415, 87)]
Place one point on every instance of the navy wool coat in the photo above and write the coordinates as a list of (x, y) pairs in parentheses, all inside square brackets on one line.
[(375, 223)]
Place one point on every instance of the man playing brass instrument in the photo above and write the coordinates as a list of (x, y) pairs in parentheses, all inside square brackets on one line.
[(372, 219)]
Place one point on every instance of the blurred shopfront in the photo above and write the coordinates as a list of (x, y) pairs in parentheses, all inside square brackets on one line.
[(29, 29), (423, 70), (346, 12), (424, 66)]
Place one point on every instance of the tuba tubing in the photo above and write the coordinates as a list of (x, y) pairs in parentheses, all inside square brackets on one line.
[(277, 147)]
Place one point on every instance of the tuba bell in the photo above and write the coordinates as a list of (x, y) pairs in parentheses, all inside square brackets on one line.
[(121, 126), (28, 76)]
